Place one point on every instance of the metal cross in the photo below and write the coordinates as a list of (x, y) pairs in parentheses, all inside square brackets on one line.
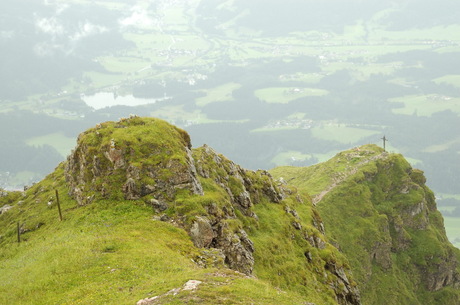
[(384, 142)]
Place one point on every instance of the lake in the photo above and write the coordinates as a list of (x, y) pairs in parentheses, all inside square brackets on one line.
[(108, 99)]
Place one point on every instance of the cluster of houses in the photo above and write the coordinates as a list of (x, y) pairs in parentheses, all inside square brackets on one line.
[(290, 123)]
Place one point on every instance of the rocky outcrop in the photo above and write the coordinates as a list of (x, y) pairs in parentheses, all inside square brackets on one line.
[(5, 208), (411, 215), (245, 189), (237, 248), (346, 293), (440, 275), (239, 183), (190, 285), (439, 268), (106, 163), (133, 160), (243, 192), (202, 233), (410, 223), (235, 245)]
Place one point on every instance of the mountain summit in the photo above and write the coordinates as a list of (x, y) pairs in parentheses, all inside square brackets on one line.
[(149, 220), (384, 220)]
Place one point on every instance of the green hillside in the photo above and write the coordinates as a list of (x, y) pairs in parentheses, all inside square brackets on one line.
[(143, 215), (148, 220), (385, 221)]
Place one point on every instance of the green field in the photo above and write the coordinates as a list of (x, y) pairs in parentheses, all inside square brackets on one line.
[(217, 94), (190, 118), (286, 158), (284, 95), (453, 80), (57, 140), (452, 225), (426, 105), (309, 78), (451, 32), (124, 65), (98, 80), (342, 133), (441, 147)]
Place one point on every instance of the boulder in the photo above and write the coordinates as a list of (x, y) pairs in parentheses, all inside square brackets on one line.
[(5, 208), (201, 232)]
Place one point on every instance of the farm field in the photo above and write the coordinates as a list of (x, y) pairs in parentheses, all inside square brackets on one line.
[(452, 225), (59, 141)]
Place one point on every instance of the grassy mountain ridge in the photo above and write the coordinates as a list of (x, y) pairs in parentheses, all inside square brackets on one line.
[(384, 217), (144, 214)]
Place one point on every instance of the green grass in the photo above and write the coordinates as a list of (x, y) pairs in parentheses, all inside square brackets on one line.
[(281, 260), (96, 260), (227, 287), (114, 252), (359, 212), (106, 253), (152, 147)]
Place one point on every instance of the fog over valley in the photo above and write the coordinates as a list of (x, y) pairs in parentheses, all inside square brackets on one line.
[(265, 83)]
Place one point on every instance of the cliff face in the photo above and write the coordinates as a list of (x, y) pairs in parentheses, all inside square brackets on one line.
[(384, 219)]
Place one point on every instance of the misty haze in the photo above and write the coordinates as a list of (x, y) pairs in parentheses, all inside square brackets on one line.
[(264, 83)]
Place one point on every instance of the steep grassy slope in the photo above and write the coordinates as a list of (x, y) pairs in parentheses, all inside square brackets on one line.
[(384, 220), (109, 253), (143, 214), (291, 250)]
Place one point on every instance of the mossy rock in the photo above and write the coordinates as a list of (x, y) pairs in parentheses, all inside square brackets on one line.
[(130, 159)]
